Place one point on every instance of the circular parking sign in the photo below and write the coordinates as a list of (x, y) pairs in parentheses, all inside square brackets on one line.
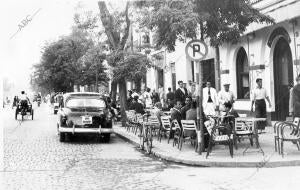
[(196, 50)]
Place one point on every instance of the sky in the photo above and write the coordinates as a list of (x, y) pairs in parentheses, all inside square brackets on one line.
[(51, 19)]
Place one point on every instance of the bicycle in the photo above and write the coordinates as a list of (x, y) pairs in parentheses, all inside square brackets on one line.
[(146, 133)]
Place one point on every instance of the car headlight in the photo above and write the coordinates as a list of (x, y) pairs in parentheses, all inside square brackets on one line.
[(64, 119)]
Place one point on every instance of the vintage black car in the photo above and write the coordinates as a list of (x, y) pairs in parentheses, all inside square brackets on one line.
[(84, 113)]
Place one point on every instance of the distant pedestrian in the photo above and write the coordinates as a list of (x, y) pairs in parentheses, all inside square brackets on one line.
[(210, 99), (155, 97), (147, 98), (181, 93), (259, 96)]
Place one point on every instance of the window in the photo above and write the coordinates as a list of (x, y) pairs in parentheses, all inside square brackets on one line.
[(242, 75), (85, 102)]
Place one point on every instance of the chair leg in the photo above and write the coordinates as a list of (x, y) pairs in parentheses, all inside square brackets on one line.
[(208, 149), (231, 148), (281, 148), (275, 144), (297, 143)]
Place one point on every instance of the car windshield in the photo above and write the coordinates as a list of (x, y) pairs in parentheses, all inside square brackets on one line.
[(85, 102)]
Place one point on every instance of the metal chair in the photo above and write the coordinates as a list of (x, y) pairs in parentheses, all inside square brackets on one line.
[(176, 132), (165, 127), (188, 132)]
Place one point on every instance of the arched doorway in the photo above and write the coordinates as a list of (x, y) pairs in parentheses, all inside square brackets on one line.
[(242, 74), (283, 76)]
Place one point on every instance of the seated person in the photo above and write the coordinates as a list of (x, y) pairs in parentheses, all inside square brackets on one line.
[(175, 112), (24, 100), (229, 111), (184, 109), (158, 110), (136, 106), (191, 114)]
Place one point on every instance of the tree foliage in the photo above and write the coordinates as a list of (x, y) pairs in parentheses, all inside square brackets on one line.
[(71, 60), (219, 21)]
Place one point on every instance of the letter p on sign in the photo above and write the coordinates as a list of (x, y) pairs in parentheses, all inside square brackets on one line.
[(196, 50)]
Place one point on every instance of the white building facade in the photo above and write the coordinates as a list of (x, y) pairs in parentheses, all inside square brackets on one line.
[(270, 52)]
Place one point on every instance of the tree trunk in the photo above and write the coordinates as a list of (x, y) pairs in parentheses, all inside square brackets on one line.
[(113, 92), (123, 100), (137, 82), (217, 69)]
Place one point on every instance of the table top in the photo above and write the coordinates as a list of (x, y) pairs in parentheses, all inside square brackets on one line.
[(250, 119)]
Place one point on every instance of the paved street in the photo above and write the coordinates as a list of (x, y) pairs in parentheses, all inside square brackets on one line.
[(35, 159)]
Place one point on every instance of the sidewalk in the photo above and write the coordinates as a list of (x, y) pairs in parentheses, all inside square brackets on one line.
[(220, 157)]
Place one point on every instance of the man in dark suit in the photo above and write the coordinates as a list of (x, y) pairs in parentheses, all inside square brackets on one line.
[(181, 93), (137, 106)]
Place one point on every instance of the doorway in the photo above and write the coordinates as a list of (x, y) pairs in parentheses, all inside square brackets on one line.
[(283, 76)]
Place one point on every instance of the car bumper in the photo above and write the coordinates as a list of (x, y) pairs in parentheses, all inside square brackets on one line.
[(74, 130)]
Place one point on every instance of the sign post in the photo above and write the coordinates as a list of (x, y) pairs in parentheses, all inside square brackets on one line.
[(197, 50)]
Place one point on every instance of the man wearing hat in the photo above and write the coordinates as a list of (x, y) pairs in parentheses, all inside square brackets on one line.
[(259, 96), (225, 95)]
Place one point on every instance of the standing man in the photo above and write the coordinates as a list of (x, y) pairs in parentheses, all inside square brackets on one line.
[(170, 98), (259, 96), (181, 93), (225, 96), (210, 100)]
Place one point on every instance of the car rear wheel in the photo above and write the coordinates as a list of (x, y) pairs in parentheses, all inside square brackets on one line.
[(61, 137), (16, 114), (106, 137)]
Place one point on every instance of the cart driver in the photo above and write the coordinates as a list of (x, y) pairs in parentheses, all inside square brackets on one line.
[(24, 100)]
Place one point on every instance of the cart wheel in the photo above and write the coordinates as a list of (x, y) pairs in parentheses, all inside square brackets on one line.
[(16, 114), (149, 141), (32, 114), (61, 137)]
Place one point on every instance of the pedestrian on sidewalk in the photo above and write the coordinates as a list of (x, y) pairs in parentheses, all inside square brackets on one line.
[(258, 98)]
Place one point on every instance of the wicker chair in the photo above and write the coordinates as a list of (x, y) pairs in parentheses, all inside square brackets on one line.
[(288, 132), (217, 138)]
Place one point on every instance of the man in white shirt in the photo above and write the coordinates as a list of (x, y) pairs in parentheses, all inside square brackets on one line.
[(259, 96), (210, 99), (225, 96)]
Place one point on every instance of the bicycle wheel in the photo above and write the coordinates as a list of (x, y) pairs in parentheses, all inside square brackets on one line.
[(142, 137), (149, 141)]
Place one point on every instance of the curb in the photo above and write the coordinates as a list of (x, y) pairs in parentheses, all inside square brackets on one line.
[(258, 165)]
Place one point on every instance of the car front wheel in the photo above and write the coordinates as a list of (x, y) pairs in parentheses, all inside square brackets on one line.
[(61, 137), (106, 137)]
